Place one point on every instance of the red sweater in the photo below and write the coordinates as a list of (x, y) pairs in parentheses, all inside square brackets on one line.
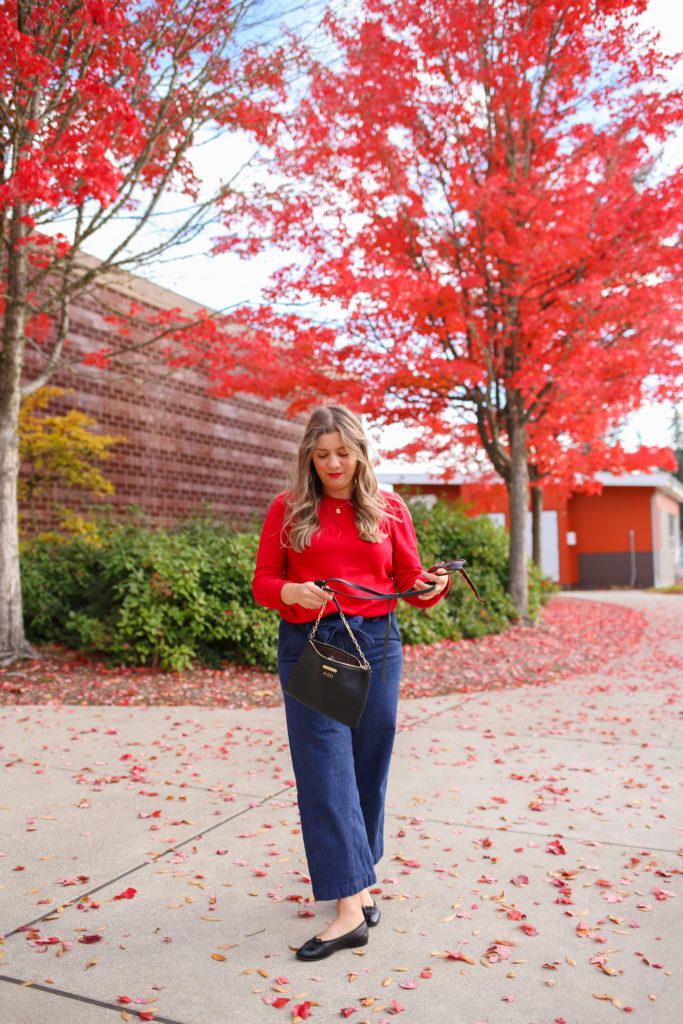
[(391, 565)]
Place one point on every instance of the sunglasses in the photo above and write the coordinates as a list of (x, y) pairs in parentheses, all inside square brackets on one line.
[(449, 567), (456, 565)]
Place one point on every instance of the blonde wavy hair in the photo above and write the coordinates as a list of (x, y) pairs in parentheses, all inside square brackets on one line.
[(303, 500)]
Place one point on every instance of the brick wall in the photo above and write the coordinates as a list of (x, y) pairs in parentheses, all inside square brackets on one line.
[(183, 447)]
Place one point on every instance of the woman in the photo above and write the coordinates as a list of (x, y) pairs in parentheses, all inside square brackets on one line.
[(335, 522)]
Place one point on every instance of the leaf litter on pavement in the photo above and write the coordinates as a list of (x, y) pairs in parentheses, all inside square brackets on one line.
[(495, 858), (573, 637)]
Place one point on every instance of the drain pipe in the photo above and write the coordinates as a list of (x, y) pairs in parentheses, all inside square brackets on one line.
[(632, 545)]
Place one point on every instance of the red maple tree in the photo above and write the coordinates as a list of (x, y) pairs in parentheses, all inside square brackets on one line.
[(101, 102), (475, 191)]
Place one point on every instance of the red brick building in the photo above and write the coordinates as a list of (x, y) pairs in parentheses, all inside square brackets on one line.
[(183, 448), (627, 535)]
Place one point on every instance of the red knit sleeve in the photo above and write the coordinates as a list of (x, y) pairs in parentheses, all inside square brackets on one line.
[(271, 560), (407, 565)]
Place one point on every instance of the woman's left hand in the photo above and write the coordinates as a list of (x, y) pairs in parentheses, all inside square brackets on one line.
[(439, 578)]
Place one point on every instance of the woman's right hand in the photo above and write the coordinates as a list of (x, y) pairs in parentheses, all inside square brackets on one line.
[(308, 595)]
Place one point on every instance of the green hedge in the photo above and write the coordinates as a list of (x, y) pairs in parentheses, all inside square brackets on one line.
[(445, 532), (146, 596)]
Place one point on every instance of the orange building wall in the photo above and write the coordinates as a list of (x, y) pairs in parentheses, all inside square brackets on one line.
[(602, 524), (602, 521)]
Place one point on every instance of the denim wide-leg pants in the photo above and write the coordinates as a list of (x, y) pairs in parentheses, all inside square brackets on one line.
[(341, 773)]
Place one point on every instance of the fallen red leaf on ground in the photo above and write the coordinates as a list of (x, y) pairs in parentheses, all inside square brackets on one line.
[(521, 655)]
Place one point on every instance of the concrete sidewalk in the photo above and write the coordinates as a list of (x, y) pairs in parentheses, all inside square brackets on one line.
[(151, 861)]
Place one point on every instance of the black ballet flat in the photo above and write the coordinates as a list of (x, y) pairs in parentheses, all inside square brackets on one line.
[(318, 949), (371, 914)]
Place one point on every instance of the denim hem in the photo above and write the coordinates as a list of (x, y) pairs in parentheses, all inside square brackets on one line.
[(338, 892)]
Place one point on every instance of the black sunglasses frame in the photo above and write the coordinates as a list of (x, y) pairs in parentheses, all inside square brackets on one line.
[(457, 565)]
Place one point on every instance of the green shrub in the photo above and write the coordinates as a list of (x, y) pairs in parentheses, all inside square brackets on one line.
[(444, 532), (151, 596), (58, 576), (146, 596)]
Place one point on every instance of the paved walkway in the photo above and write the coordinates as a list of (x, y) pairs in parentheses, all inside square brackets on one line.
[(151, 864)]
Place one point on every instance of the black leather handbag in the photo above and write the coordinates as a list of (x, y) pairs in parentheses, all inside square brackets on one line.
[(329, 679)]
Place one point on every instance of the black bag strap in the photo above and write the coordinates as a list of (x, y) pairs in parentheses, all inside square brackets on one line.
[(374, 594), (368, 594)]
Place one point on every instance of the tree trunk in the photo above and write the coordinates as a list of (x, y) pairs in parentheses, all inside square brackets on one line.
[(517, 484), (12, 641), (536, 524)]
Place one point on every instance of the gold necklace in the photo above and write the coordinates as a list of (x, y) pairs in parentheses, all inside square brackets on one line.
[(344, 501)]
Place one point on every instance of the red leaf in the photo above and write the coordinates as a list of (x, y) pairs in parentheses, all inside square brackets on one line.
[(100, 360), (458, 956), (127, 894)]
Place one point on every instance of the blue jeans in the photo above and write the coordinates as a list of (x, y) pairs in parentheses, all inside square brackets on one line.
[(341, 773)]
